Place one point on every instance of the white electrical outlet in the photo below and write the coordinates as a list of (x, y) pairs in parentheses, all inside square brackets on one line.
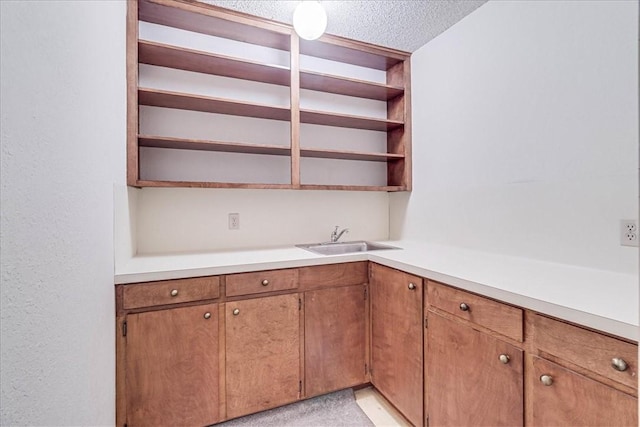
[(234, 221), (628, 232)]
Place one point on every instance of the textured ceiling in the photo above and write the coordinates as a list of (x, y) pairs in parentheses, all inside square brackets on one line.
[(400, 24)]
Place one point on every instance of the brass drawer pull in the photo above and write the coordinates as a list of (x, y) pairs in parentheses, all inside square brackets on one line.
[(174, 292), (236, 311), (619, 364), (546, 380), (412, 286), (464, 307), (207, 315), (265, 282), (504, 358)]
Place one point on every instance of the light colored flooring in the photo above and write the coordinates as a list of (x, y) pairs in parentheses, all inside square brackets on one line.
[(378, 409)]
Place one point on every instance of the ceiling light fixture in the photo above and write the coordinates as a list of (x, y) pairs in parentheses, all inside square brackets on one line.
[(309, 19)]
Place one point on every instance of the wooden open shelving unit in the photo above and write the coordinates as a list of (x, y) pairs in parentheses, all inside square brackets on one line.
[(210, 20)]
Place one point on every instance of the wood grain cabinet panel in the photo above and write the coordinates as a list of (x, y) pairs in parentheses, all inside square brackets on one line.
[(587, 349), (261, 282), (334, 333), (468, 384), (396, 339), (323, 276), (170, 292), (571, 399), (172, 367), (262, 353), (496, 316)]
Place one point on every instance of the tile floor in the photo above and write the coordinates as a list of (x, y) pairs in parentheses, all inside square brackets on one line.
[(378, 409)]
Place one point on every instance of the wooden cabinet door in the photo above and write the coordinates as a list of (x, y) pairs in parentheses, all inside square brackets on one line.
[(262, 353), (467, 383), (575, 400), (396, 329), (172, 367), (334, 333)]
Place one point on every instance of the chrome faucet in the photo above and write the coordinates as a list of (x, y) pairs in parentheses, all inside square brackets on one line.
[(335, 235)]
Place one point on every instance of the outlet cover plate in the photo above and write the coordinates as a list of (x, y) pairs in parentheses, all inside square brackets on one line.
[(234, 221), (629, 232)]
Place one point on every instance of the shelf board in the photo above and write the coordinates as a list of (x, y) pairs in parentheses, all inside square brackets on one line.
[(215, 21), (353, 187), (346, 86), (199, 184), (353, 52), (348, 121), (349, 155), (206, 145), (184, 101), (164, 55)]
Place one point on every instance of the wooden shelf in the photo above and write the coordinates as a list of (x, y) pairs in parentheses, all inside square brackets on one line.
[(205, 145), (199, 17), (199, 184), (184, 101), (353, 52), (164, 55), (389, 188), (349, 155), (346, 86), (215, 21), (347, 121)]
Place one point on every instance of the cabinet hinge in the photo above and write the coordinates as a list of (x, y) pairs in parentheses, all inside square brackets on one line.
[(426, 323), (299, 303), (426, 421), (365, 369), (365, 294), (124, 333), (300, 387)]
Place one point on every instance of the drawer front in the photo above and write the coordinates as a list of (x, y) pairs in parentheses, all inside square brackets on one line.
[(262, 281), (170, 292), (498, 317), (587, 349), (325, 276)]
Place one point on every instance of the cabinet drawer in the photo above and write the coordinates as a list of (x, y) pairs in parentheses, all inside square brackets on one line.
[(493, 315), (262, 281), (170, 292), (587, 349), (324, 276)]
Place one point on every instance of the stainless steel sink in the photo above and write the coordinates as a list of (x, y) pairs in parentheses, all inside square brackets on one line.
[(344, 247)]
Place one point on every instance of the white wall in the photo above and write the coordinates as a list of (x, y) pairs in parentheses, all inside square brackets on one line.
[(63, 147), (178, 220), (526, 133)]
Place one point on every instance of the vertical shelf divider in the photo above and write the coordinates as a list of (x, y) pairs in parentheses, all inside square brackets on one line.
[(399, 140), (295, 109), (133, 171)]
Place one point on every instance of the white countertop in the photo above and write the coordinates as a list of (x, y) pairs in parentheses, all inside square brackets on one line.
[(602, 300)]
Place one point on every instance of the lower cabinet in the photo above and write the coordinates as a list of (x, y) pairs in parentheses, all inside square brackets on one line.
[(172, 367), (473, 378), (396, 339), (560, 396), (262, 348), (334, 339)]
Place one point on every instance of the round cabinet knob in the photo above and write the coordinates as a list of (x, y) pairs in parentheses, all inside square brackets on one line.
[(207, 315), (619, 364), (412, 286), (265, 282), (464, 307), (174, 292), (546, 380), (236, 311), (504, 358)]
